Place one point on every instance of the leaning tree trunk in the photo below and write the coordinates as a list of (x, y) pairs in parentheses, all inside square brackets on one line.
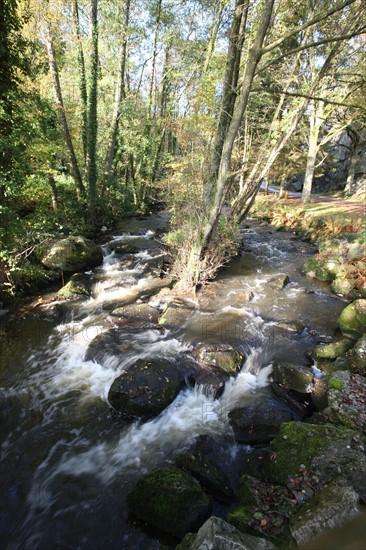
[(74, 167), (92, 115), (231, 78), (191, 276)]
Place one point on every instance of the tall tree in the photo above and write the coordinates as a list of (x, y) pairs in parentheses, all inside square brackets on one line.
[(93, 114), (119, 96), (81, 79), (60, 106)]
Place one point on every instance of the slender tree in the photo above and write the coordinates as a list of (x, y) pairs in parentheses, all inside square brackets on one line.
[(93, 114), (119, 96), (54, 71)]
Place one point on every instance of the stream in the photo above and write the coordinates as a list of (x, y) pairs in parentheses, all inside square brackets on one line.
[(67, 464)]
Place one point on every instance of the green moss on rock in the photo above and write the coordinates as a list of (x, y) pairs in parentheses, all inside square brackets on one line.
[(332, 350), (323, 269), (70, 254), (299, 443), (352, 320), (77, 286), (170, 500)]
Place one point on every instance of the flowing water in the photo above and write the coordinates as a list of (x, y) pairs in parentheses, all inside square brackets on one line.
[(67, 465)]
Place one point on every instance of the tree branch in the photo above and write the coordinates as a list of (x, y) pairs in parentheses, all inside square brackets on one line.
[(308, 24), (361, 30), (310, 97)]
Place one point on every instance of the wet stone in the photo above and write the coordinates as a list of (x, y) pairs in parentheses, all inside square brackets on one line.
[(169, 500), (146, 388)]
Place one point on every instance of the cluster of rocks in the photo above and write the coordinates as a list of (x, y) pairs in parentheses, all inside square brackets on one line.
[(305, 473), (341, 262)]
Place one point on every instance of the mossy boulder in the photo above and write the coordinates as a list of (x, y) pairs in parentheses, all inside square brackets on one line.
[(323, 269), (70, 254), (294, 377), (211, 478), (77, 286), (330, 508), (352, 320), (217, 534), (223, 356), (330, 351), (169, 500), (324, 448), (176, 313), (346, 400), (146, 388)]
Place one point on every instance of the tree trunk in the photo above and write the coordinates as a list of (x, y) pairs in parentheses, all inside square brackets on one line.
[(82, 81), (74, 167), (282, 192), (120, 94), (191, 274), (350, 185), (316, 112), (229, 95), (92, 115), (54, 193)]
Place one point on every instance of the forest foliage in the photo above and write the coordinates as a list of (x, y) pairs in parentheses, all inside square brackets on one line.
[(114, 107)]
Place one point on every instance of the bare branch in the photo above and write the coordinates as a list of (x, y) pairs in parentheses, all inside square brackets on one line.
[(308, 24), (361, 30), (310, 97)]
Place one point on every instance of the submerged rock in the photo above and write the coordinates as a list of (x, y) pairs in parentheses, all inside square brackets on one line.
[(216, 534), (146, 388), (169, 500), (70, 254), (352, 320), (211, 478), (328, 509), (223, 356)]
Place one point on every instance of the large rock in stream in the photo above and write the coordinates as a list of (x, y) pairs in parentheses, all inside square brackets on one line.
[(223, 356), (147, 387), (169, 500), (78, 286), (70, 254), (301, 380), (259, 421)]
